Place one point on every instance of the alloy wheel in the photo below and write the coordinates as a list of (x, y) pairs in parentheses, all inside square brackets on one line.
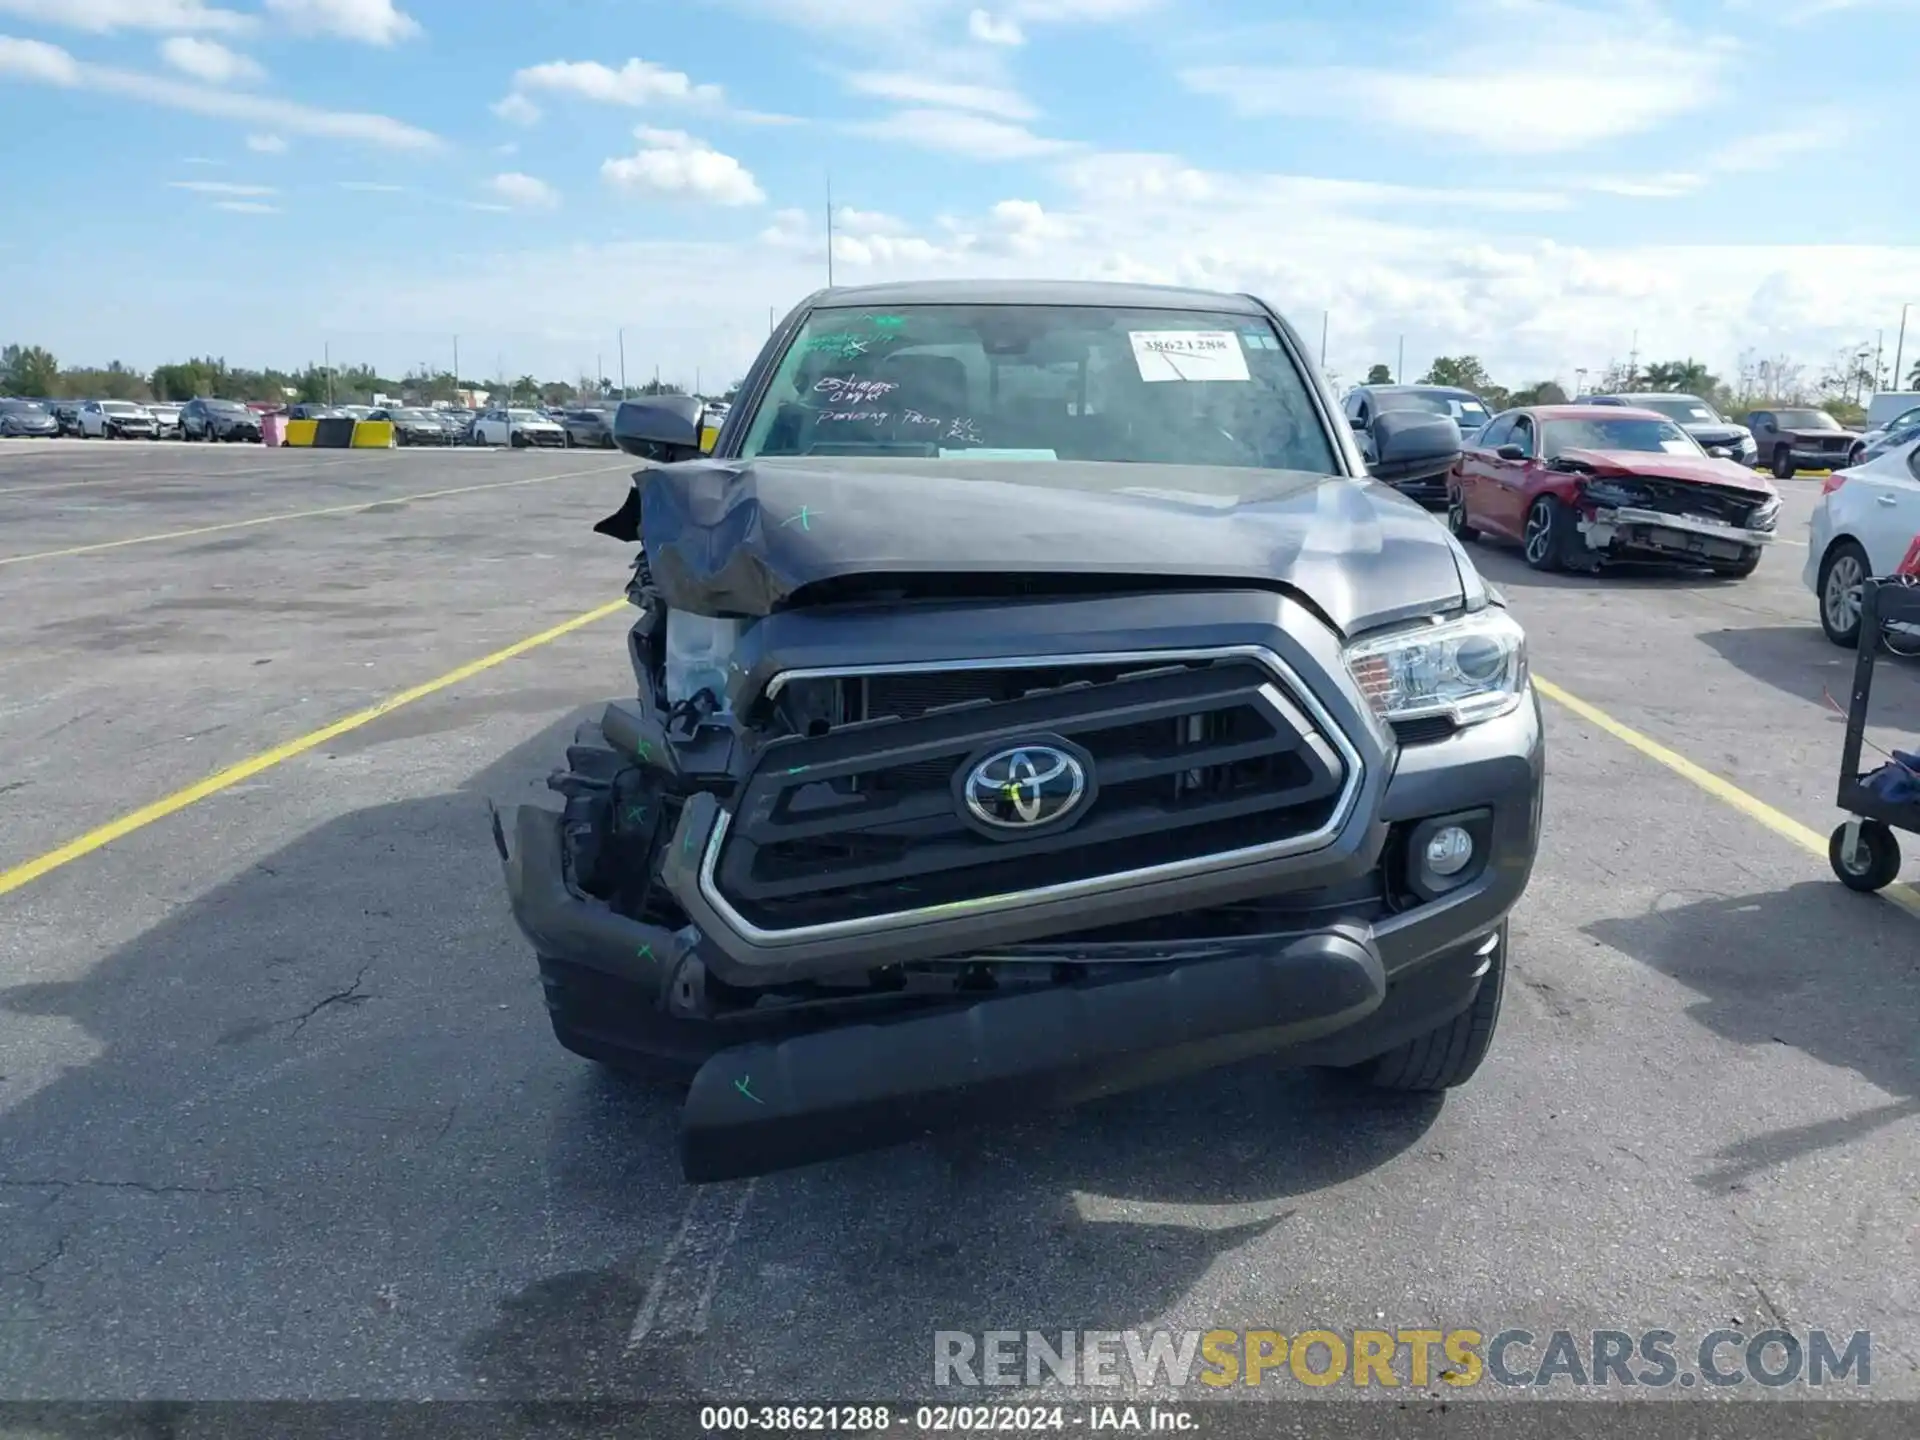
[(1539, 531), (1842, 598)]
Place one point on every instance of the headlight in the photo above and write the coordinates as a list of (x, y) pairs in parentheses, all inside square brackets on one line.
[(1470, 669), (1766, 516)]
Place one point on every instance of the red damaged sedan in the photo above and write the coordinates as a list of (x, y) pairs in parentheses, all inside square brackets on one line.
[(1578, 485)]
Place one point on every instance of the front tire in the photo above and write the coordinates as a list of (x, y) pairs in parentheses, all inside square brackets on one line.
[(1448, 1055), (1842, 573), (1549, 526), (1748, 562), (1457, 517), (1877, 863), (1783, 467)]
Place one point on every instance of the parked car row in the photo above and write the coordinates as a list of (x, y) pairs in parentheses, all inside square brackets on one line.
[(233, 420)]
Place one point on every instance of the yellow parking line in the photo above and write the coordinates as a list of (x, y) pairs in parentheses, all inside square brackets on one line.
[(171, 804), (299, 515), (1723, 790)]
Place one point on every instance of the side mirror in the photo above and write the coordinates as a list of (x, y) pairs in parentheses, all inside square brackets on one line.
[(1412, 445), (1359, 424), (1720, 452), (662, 428), (1511, 452)]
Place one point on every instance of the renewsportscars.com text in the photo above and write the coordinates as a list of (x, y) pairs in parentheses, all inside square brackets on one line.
[(1416, 1358)]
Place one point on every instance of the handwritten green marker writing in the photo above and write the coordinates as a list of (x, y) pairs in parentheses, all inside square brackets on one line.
[(743, 1085)]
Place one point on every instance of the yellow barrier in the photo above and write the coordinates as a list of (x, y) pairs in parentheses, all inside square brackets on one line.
[(373, 435), (709, 437), (300, 432)]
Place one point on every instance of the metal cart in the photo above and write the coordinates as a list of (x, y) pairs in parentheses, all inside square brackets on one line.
[(1863, 850)]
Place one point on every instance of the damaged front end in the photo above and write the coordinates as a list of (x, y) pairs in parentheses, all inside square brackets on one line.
[(880, 847), (1625, 516)]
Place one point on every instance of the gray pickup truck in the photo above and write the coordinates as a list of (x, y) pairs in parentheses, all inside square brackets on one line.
[(1035, 699)]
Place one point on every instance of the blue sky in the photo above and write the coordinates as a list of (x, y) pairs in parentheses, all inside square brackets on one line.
[(1532, 181)]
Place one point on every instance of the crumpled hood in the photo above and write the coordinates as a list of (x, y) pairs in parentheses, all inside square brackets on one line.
[(735, 537), (1702, 469)]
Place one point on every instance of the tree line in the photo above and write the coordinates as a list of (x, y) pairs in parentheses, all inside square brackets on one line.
[(32, 370), (1842, 386)]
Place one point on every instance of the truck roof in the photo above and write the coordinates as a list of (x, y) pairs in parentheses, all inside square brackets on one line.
[(1035, 292)]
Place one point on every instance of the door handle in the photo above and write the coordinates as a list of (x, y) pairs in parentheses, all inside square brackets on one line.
[(1889, 499)]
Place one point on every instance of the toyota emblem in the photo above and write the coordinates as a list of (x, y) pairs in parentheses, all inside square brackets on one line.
[(1025, 787)]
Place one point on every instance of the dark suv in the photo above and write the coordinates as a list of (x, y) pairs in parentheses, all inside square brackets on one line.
[(1366, 403), (1034, 700), (229, 420)]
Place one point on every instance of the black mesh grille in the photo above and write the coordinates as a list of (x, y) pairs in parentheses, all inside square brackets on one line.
[(1185, 761)]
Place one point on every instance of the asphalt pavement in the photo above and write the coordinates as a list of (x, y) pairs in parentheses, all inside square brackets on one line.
[(280, 1115)]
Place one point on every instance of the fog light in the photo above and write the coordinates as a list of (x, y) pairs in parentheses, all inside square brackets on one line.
[(1449, 850)]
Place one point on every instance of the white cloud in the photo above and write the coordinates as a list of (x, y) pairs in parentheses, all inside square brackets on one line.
[(977, 137), (103, 17), (671, 162), (221, 187), (995, 29), (516, 109), (247, 207), (941, 94), (376, 22), (211, 61), (523, 192), (638, 82), (1812, 134), (35, 60), (1559, 78), (266, 144)]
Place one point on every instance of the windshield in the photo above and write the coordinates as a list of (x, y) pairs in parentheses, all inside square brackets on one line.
[(22, 407), (1686, 410), (525, 415), (1041, 382), (1805, 420), (412, 414), (1469, 413), (119, 407), (225, 407), (1627, 433)]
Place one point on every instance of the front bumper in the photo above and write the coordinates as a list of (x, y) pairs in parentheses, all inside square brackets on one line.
[(1335, 981), (1680, 536), (135, 431), (546, 440), (33, 432)]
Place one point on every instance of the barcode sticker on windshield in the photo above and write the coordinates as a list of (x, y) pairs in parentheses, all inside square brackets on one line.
[(1189, 355)]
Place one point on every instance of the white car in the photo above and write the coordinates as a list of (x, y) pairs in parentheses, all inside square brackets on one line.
[(1867, 522), (117, 420), (518, 428), (167, 419), (1876, 438)]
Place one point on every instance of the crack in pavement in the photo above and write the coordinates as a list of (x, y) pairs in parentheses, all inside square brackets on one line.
[(143, 1186), (33, 1272), (349, 996)]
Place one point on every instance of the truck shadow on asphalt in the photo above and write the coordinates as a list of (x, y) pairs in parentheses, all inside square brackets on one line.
[(1815, 966), (1798, 660), (322, 1098)]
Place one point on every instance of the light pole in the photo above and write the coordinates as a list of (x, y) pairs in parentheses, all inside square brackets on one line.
[(623, 363), (1900, 349), (1580, 380), (1400, 365)]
